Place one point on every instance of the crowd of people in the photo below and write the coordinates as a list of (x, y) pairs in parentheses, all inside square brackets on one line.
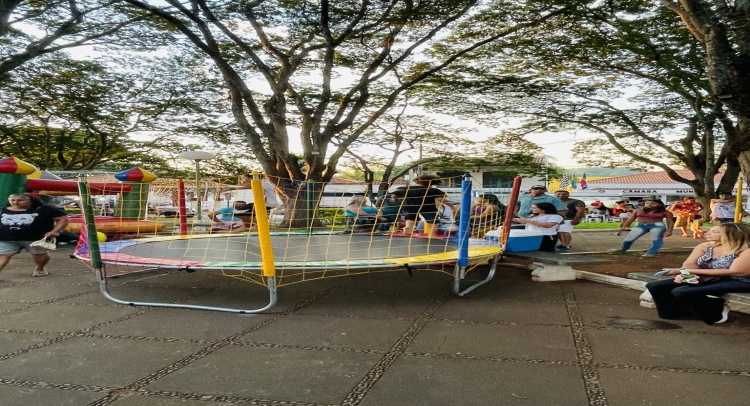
[(420, 208)]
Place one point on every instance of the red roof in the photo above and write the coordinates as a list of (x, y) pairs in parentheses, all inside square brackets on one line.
[(651, 177)]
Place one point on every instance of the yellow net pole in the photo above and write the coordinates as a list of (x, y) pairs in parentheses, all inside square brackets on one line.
[(738, 204), (264, 229)]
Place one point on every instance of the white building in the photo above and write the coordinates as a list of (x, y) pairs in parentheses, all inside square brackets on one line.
[(640, 186)]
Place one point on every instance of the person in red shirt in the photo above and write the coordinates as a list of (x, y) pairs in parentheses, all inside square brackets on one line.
[(685, 211)]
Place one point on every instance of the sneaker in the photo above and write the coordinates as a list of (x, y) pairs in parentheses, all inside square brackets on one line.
[(561, 248), (647, 255), (724, 314)]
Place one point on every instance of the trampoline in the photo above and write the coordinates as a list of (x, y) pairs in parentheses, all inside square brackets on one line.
[(297, 258), (276, 259)]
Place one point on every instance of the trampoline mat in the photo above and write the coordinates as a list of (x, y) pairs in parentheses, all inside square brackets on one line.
[(289, 248)]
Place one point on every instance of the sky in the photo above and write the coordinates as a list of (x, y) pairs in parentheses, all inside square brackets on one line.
[(558, 146)]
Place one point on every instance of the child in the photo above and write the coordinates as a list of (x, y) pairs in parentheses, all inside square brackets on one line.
[(695, 226)]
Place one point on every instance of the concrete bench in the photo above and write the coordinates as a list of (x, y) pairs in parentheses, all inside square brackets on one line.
[(551, 266), (737, 301)]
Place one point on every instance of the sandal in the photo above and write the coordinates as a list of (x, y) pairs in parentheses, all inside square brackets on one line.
[(40, 273), (724, 314)]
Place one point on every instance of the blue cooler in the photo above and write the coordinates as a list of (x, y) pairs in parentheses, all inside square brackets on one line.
[(523, 240)]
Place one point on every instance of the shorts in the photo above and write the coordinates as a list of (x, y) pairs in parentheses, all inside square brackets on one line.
[(565, 227), (14, 247), (722, 220), (683, 221)]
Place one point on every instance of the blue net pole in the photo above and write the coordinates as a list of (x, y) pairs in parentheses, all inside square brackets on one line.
[(464, 226)]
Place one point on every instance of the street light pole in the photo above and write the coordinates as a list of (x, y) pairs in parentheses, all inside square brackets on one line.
[(197, 156)]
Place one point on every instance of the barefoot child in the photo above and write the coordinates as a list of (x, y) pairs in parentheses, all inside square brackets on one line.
[(695, 226)]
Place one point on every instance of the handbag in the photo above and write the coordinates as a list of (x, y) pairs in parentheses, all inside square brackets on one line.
[(47, 243)]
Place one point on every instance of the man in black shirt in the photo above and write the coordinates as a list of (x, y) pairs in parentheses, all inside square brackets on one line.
[(419, 200)]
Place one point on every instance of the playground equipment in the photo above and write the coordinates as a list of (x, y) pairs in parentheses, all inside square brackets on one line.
[(277, 259), (17, 176)]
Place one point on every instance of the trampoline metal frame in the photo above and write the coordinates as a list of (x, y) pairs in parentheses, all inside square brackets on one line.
[(460, 273), (104, 289)]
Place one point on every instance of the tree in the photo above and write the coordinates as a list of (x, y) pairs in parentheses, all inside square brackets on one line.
[(68, 114), (723, 28), (320, 66), (30, 29), (381, 147), (575, 82)]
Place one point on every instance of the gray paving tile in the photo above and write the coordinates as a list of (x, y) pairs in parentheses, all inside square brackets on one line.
[(661, 388), (417, 381), (620, 316), (138, 400), (365, 305), (323, 331), (183, 324), (10, 342), (253, 299), (41, 396), (496, 340), (271, 373), (9, 306), (669, 349), (503, 311), (93, 361), (514, 289), (593, 292), (61, 318), (42, 291), (138, 294)]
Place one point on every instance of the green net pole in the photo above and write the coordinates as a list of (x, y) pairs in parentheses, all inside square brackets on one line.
[(88, 217), (310, 196)]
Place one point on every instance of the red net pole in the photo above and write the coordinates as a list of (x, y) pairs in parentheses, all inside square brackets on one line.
[(508, 220)]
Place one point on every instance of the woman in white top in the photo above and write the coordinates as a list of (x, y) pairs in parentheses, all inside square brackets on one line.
[(544, 219), (723, 209)]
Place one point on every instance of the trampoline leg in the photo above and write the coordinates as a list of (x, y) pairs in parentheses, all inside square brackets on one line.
[(271, 282), (461, 271)]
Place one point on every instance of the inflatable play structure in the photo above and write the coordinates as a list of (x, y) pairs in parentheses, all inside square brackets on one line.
[(17, 176)]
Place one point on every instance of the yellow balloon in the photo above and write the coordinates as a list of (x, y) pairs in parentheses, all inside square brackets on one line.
[(101, 237)]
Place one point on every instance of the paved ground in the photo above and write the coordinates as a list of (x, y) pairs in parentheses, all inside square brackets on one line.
[(379, 339), (603, 240)]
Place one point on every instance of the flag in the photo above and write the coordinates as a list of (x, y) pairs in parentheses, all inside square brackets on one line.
[(573, 183), (584, 184), (564, 182)]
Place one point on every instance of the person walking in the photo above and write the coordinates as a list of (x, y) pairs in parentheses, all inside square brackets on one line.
[(650, 221), (24, 220), (721, 265), (684, 212), (574, 215)]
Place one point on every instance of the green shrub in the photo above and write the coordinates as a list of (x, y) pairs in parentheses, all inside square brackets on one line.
[(333, 216)]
